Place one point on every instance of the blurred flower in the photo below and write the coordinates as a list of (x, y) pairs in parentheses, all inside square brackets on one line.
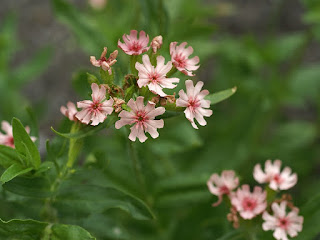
[(195, 103), (70, 111), (220, 186), (7, 139), (143, 119), (95, 111), (281, 222), (272, 175), (180, 58), (156, 43), (103, 62), (132, 45), (249, 204), (155, 77), (98, 4)]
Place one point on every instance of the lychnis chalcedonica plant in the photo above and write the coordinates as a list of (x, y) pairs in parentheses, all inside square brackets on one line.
[(137, 102)]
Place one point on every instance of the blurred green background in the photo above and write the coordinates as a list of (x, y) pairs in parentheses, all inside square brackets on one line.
[(269, 49)]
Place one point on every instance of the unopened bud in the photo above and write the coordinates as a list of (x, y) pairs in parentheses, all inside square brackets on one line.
[(118, 104), (156, 43)]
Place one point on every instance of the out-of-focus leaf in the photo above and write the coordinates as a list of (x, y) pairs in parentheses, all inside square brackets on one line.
[(24, 145), (95, 199), (305, 84), (12, 172), (80, 24), (105, 227), (31, 230), (81, 83), (180, 190), (30, 70), (311, 213), (175, 137), (36, 187), (220, 96)]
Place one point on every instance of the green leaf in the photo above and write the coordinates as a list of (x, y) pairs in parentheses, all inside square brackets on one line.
[(311, 213), (8, 156), (220, 96), (94, 199), (36, 187), (24, 145), (305, 84), (181, 190), (88, 130), (32, 230), (12, 172)]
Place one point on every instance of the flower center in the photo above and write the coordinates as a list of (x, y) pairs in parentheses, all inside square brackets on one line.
[(193, 104), (277, 178), (224, 189), (141, 116), (95, 106), (283, 223), (136, 47), (180, 61), (249, 204), (153, 78)]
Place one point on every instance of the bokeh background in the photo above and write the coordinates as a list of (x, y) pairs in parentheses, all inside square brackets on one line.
[(269, 49)]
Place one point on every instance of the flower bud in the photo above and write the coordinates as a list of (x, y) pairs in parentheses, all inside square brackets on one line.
[(156, 43)]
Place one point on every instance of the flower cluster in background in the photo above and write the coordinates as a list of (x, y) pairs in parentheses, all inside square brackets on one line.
[(278, 215), (147, 99)]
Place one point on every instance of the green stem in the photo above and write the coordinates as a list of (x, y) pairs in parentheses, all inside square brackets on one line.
[(133, 60), (172, 71), (75, 145), (137, 166)]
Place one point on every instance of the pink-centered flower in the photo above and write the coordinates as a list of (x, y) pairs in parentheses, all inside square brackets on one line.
[(143, 118), (277, 180), (249, 204), (195, 103), (180, 58), (103, 61), (155, 77), (7, 138), (95, 111), (282, 223), (222, 185), (70, 111), (132, 45)]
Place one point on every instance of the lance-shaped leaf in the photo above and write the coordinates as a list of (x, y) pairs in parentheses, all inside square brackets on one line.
[(94, 199), (35, 187), (31, 229), (87, 130), (24, 145), (12, 172), (220, 96)]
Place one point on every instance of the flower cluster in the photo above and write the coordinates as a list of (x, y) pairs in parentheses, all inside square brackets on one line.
[(279, 215), (143, 97), (7, 138)]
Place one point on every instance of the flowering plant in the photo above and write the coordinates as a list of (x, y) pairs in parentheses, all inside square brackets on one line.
[(139, 102)]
